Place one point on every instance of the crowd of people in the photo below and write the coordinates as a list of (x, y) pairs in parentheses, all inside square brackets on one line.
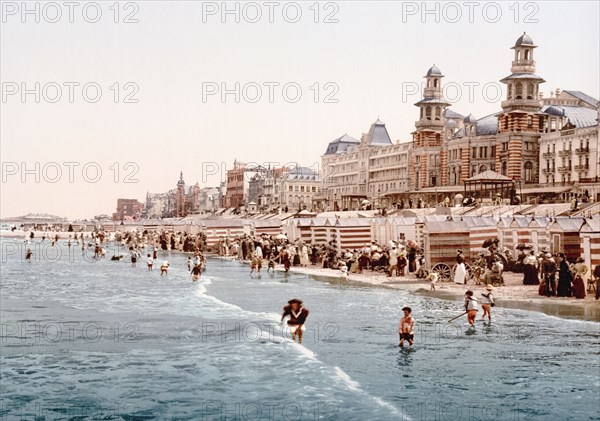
[(556, 276)]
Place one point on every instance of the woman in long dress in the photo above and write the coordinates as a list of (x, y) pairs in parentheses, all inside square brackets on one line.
[(578, 284), (460, 275), (565, 277), (530, 270), (304, 261)]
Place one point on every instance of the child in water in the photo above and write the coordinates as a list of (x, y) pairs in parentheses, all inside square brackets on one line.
[(406, 328), (164, 268), (471, 307), (487, 301)]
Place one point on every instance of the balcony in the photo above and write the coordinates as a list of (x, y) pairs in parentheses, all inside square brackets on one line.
[(564, 170), (522, 104), (582, 151), (565, 153), (548, 155), (581, 168), (547, 171)]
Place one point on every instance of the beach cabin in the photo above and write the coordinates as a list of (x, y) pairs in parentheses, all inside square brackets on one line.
[(481, 228), (564, 235), (352, 233), (215, 229), (590, 242), (266, 227), (442, 239), (394, 228), (540, 238)]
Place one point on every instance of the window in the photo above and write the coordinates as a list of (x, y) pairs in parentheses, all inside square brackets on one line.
[(504, 169), (474, 153), (530, 91), (482, 169), (493, 152), (519, 90), (529, 120), (528, 171)]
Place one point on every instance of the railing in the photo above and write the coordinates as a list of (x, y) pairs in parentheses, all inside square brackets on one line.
[(581, 151), (564, 170), (565, 153), (582, 167), (548, 155)]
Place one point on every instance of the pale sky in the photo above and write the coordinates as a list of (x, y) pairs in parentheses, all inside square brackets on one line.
[(375, 52)]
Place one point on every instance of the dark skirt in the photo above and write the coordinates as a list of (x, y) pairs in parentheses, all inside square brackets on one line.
[(578, 287), (530, 275), (564, 286)]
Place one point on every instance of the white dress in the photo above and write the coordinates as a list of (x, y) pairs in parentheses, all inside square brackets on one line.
[(460, 274), (304, 256)]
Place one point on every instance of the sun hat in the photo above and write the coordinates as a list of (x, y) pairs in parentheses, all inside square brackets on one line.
[(490, 287)]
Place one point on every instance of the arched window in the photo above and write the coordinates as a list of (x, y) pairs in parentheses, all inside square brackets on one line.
[(510, 91), (437, 113), (482, 168), (519, 91), (530, 91), (435, 83), (518, 55), (428, 113), (527, 54), (504, 168), (528, 171)]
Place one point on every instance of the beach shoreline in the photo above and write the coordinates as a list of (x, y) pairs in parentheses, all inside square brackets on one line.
[(512, 295)]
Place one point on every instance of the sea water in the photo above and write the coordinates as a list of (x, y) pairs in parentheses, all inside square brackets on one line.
[(86, 338)]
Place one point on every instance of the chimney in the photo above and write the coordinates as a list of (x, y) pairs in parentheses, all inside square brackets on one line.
[(557, 92)]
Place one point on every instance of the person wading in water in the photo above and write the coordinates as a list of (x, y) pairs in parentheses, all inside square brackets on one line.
[(298, 315)]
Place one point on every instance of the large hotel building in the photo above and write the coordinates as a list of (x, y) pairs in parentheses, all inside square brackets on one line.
[(546, 146)]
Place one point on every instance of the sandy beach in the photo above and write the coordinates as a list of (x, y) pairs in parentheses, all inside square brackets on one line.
[(512, 295)]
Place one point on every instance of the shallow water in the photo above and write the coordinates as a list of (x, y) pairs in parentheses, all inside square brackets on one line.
[(88, 339)]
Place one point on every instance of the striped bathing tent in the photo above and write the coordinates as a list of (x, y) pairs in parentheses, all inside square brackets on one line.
[(215, 229), (481, 228), (319, 230), (352, 233), (590, 242), (443, 239), (387, 229), (565, 236), (522, 229), (266, 226)]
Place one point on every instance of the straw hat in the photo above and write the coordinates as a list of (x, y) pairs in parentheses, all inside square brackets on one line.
[(490, 287)]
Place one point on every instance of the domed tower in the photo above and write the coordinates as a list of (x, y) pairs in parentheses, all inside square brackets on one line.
[(521, 122), (180, 198), (522, 93), (427, 139)]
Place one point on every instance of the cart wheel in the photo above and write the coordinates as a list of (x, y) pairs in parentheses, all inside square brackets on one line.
[(443, 271), (469, 269)]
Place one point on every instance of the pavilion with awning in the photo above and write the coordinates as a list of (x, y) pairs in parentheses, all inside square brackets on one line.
[(487, 184)]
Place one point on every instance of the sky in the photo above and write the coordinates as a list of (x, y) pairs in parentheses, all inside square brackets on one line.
[(106, 100)]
